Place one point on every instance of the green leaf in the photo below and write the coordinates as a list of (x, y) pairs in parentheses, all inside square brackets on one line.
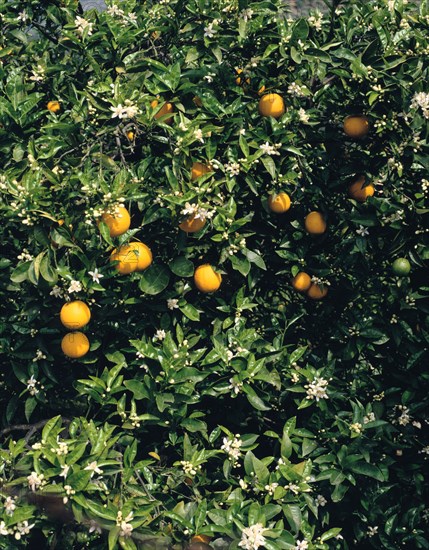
[(182, 267), (366, 469), (190, 311), (154, 280)]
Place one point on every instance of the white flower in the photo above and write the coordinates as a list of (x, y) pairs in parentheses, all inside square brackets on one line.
[(160, 334), (35, 480), (31, 384), (83, 25), (233, 168), (172, 303), (93, 467), (252, 537), (317, 389), (232, 447), (292, 487), (209, 31), (56, 292), (3, 529), (10, 505), (189, 468), (320, 500), (93, 526), (75, 286), (23, 528), (270, 149), (242, 484), (271, 487), (115, 11), (96, 276), (118, 111), (64, 471), (38, 74), (303, 116), (356, 427), (246, 14), (370, 417), (198, 134), (301, 545), (372, 531), (130, 109), (296, 90), (22, 16), (234, 385), (362, 231), (421, 99), (126, 529)]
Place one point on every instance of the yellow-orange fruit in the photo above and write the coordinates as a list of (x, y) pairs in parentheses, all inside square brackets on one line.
[(75, 345), (53, 106), (126, 258), (166, 109), (142, 254), (356, 126), (279, 202), (315, 223), (75, 315), (206, 279), (131, 135), (239, 80), (118, 223), (199, 169), (192, 224), (272, 105), (301, 282), (360, 193), (317, 292), (261, 90)]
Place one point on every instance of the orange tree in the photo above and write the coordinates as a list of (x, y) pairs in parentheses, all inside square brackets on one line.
[(214, 275)]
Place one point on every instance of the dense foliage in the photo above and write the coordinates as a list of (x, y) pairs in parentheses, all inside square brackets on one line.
[(254, 414)]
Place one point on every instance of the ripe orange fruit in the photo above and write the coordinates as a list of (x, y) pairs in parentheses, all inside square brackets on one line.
[(131, 257), (301, 282), (165, 110), (201, 538), (142, 253), (119, 223), (206, 279), (192, 224), (316, 292), (358, 192), (279, 202), (272, 105), (53, 106), (75, 344), (356, 126), (75, 315), (239, 81), (199, 169), (131, 135), (261, 90), (315, 223)]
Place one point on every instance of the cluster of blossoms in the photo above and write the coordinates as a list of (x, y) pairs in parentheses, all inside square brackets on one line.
[(124, 523), (83, 26), (317, 389), (233, 169), (25, 256), (31, 385), (35, 480), (189, 468), (252, 537), (316, 20), (232, 448), (296, 90), (21, 528), (197, 211), (118, 13), (128, 110), (270, 149), (421, 99)]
